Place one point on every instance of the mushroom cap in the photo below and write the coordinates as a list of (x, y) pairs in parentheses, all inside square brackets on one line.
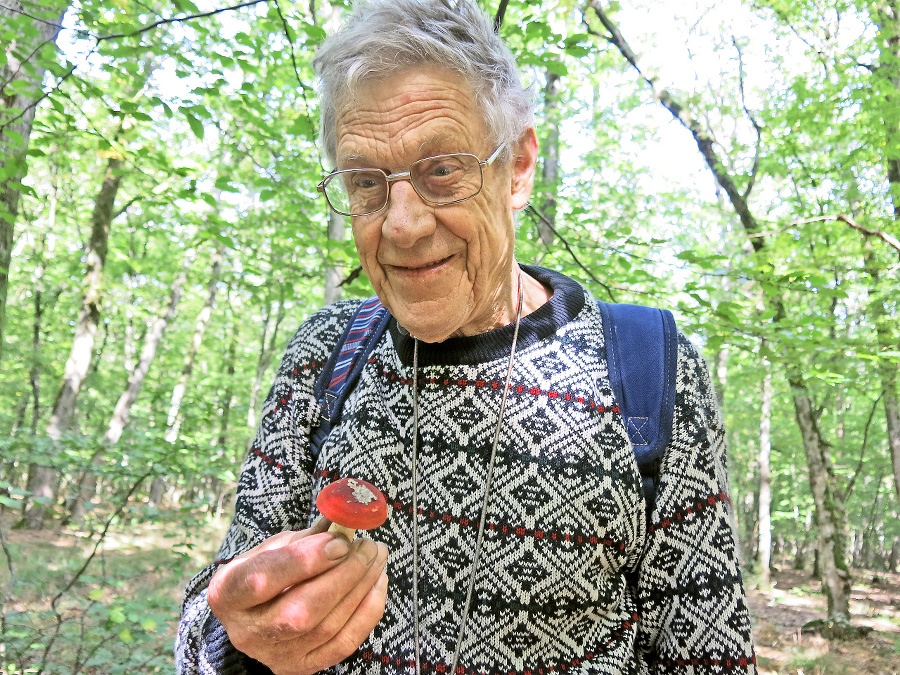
[(353, 503)]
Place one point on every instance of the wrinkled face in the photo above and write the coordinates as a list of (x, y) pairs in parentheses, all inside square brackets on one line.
[(446, 270)]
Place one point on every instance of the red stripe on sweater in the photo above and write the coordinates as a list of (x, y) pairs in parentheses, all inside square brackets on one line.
[(513, 388), (698, 507), (553, 667), (501, 528)]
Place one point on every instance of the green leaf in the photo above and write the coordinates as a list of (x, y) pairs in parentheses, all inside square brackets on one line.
[(302, 126), (125, 636), (557, 67), (15, 137), (316, 34), (96, 594), (195, 124), (223, 184)]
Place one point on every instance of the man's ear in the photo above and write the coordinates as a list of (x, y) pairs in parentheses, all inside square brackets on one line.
[(524, 163)]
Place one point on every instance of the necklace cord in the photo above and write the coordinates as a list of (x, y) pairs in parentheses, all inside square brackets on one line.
[(415, 506), (484, 503)]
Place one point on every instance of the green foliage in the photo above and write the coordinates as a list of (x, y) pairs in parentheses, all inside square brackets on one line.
[(115, 615), (215, 121)]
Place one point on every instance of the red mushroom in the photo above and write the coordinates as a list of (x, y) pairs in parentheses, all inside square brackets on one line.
[(352, 504)]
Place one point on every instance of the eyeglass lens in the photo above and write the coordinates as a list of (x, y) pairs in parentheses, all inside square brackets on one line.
[(438, 180)]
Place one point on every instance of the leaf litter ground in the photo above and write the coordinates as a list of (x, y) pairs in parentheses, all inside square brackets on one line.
[(784, 647), (143, 559)]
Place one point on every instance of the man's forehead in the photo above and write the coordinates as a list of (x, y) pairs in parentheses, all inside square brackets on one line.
[(433, 144)]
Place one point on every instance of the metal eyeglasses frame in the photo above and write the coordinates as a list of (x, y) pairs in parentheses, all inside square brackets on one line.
[(407, 175)]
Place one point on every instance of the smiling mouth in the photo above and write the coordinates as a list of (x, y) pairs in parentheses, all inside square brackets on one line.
[(423, 267)]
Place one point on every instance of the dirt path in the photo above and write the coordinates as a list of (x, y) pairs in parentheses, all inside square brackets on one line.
[(783, 647)]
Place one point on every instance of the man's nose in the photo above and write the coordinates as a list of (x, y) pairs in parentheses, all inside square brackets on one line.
[(407, 218)]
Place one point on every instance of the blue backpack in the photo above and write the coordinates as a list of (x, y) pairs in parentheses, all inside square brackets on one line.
[(641, 350)]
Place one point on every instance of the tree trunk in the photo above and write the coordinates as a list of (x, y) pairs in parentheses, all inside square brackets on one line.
[(830, 517), (887, 17), (174, 419), (720, 373), (337, 231), (267, 345), (39, 306), (887, 371), (36, 29), (830, 514), (35, 371), (550, 167), (19, 417), (42, 485), (764, 546), (122, 411), (218, 487), (228, 395)]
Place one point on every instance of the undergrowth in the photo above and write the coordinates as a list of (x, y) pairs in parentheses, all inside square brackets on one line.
[(101, 601)]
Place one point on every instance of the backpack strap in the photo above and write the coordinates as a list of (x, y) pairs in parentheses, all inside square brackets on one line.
[(345, 364), (642, 351)]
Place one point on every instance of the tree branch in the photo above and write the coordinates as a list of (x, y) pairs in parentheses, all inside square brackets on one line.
[(125, 207), (139, 31), (546, 221), (862, 450), (701, 137), (889, 239), (304, 90), (290, 39), (177, 19), (350, 278), (756, 153), (22, 12), (498, 17)]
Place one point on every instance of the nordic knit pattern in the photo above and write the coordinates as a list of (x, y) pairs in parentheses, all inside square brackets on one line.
[(572, 579)]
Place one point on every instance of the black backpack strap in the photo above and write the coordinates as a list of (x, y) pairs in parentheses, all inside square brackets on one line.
[(642, 352), (344, 366)]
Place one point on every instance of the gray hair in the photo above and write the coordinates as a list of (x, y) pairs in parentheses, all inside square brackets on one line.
[(383, 37)]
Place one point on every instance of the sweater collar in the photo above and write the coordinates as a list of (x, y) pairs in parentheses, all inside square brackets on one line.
[(564, 305)]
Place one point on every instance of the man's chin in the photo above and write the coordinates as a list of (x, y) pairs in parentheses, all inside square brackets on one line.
[(426, 333), (425, 327)]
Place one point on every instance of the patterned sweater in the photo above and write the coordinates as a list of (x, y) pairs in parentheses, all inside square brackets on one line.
[(572, 577)]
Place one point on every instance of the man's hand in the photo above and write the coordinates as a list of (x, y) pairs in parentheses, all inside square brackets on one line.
[(301, 601)]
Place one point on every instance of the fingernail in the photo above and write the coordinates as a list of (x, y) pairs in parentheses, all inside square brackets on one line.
[(337, 548), (368, 549), (382, 583)]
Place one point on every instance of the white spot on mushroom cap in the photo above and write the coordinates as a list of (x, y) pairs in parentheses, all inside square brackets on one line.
[(361, 493)]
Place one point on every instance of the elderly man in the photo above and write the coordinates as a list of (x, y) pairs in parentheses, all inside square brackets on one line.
[(519, 538)]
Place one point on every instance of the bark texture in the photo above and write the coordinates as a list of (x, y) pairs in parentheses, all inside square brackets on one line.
[(42, 479), (174, 419), (20, 81), (830, 514), (122, 412), (764, 546), (550, 167), (337, 232), (887, 17)]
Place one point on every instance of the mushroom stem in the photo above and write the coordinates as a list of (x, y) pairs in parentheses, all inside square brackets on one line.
[(345, 532)]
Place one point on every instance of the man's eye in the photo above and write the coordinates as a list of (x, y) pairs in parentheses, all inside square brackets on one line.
[(443, 168), (364, 182)]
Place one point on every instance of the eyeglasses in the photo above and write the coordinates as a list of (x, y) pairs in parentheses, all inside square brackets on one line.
[(440, 180)]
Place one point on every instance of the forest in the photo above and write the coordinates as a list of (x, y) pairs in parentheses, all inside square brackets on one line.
[(161, 239)]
